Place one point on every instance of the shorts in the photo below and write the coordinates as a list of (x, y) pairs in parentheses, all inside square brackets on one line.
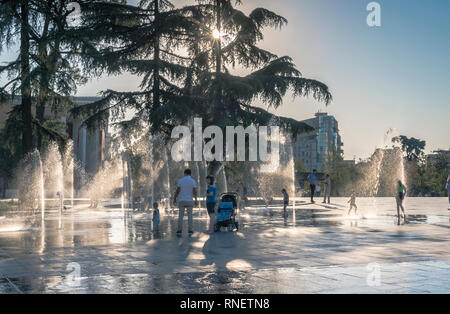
[(211, 207), (401, 196)]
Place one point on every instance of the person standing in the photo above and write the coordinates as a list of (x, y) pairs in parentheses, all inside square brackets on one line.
[(211, 196), (327, 189), (312, 178), (352, 202), (448, 187), (401, 193), (285, 201), (187, 190), (156, 217)]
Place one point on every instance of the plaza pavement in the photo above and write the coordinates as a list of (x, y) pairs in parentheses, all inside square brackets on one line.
[(316, 249)]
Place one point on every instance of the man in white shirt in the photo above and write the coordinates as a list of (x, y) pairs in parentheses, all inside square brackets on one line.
[(186, 190)]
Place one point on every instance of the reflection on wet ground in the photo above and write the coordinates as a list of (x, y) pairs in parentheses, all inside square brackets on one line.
[(314, 248)]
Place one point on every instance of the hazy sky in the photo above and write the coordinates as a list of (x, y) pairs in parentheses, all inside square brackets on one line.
[(394, 76)]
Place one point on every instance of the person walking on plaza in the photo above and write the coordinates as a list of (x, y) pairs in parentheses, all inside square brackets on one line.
[(312, 178), (211, 196), (447, 186), (352, 202), (327, 189), (285, 201), (187, 190), (401, 193), (156, 217)]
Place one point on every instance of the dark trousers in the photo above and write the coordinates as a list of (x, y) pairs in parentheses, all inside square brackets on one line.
[(313, 190)]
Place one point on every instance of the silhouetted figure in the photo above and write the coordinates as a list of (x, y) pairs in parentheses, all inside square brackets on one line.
[(211, 197), (401, 193), (156, 217), (312, 178), (352, 202), (285, 201), (447, 186), (327, 189), (187, 189)]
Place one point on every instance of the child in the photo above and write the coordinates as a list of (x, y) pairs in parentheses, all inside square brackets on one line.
[(155, 217), (352, 202), (285, 200), (327, 189), (400, 197), (211, 195)]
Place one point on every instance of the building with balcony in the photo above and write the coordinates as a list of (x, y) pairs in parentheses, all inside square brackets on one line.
[(313, 147)]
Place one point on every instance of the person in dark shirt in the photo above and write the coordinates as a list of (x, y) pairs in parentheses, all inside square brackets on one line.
[(285, 201), (312, 178), (211, 196)]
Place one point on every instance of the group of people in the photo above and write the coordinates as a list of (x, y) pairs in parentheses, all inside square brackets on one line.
[(186, 197), (401, 193), (314, 185)]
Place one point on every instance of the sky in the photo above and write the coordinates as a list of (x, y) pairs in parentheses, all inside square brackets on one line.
[(392, 76)]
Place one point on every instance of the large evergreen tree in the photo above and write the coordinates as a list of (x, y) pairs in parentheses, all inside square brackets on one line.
[(45, 73), (143, 41), (227, 38), (15, 24), (186, 72), (55, 56)]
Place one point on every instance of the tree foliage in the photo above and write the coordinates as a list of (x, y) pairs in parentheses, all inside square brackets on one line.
[(412, 147), (186, 72)]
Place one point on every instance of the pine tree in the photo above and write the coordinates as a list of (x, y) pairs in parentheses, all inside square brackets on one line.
[(14, 23), (45, 73), (143, 41), (228, 38)]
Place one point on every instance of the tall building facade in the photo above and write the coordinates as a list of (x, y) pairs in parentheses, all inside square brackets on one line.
[(313, 147)]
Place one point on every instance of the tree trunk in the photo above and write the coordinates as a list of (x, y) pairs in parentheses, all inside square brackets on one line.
[(214, 167), (27, 130), (218, 92), (40, 110), (156, 80), (46, 62)]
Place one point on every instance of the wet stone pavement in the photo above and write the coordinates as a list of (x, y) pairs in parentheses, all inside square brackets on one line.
[(315, 249)]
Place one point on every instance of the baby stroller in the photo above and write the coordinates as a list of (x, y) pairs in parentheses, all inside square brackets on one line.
[(226, 214)]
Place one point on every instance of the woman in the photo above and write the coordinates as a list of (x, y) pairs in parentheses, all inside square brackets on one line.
[(211, 195), (401, 193), (327, 189)]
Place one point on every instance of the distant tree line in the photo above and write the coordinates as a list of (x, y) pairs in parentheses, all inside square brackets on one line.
[(423, 176)]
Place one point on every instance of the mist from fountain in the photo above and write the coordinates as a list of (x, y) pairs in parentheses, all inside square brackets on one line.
[(42, 188), (69, 168), (381, 172), (271, 183), (292, 166)]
